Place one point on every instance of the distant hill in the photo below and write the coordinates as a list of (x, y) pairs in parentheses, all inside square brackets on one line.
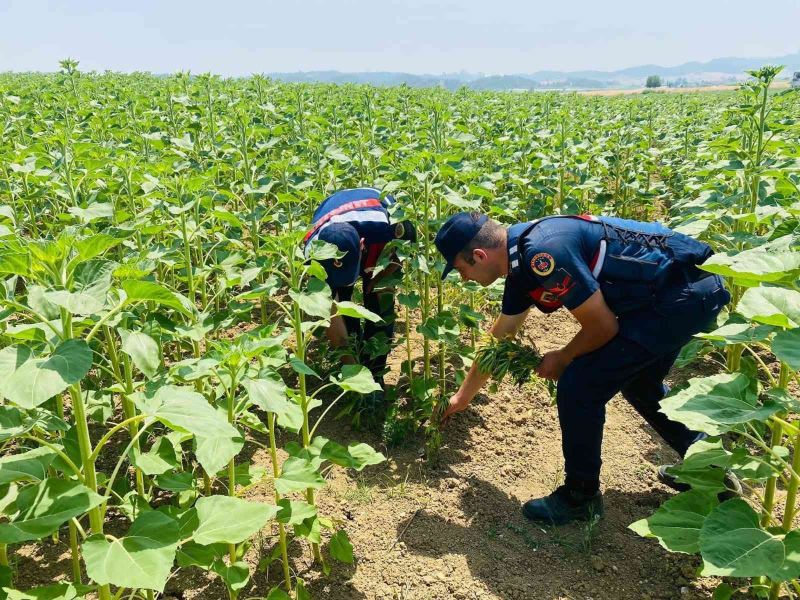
[(718, 70)]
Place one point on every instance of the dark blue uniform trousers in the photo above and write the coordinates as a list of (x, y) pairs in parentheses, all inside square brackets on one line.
[(637, 370)]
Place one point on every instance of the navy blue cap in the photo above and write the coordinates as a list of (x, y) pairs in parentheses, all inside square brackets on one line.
[(342, 272), (455, 234)]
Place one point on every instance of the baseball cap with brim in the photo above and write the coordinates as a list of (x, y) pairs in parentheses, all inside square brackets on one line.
[(342, 272), (452, 237)]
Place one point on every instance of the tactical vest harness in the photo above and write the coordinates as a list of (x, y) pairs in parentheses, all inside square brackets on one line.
[(631, 263)]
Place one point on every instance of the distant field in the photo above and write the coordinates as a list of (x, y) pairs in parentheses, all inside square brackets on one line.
[(705, 88)]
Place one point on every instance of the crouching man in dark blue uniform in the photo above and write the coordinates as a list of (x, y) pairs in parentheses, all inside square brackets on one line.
[(639, 297), (357, 222)]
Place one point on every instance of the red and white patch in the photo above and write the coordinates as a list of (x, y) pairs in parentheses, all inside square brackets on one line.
[(543, 264)]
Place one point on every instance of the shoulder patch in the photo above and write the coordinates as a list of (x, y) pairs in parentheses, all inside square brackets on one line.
[(399, 231), (543, 264)]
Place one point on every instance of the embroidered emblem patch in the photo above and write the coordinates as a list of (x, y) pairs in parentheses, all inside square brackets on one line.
[(543, 264), (399, 231)]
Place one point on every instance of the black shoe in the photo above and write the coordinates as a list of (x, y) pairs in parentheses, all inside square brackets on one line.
[(564, 506), (730, 481)]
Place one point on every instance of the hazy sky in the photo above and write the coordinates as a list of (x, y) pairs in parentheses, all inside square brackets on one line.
[(239, 37)]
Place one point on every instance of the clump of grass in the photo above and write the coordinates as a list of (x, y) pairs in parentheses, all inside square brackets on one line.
[(501, 357)]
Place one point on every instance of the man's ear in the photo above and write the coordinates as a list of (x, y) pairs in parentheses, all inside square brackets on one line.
[(479, 254)]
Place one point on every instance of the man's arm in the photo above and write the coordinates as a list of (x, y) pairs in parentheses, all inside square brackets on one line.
[(505, 325), (598, 327), (337, 336)]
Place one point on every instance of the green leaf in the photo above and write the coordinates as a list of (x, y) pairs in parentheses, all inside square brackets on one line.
[(293, 512), (141, 559), (26, 466), (738, 333), (37, 300), (42, 508), (733, 544), (158, 460), (301, 593), (229, 519), (11, 359), (356, 378), (277, 593), (786, 347), (176, 482), (442, 327), (758, 467), (182, 409), (677, 523), (297, 474), (95, 245), (97, 210), (301, 368), (235, 576), (717, 404), (703, 479), (723, 592), (268, 392), (38, 380), (772, 306), (351, 309), (58, 591), (340, 547), (91, 283), (8, 496), (15, 263), (99, 406), (13, 423), (452, 197), (316, 301), (754, 266), (143, 351), (138, 290), (363, 455), (191, 554), (320, 250), (311, 529), (355, 456), (412, 301)]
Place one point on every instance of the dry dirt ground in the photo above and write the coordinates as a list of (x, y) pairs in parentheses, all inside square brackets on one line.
[(456, 531)]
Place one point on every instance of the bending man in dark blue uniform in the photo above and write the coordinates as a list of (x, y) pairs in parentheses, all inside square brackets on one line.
[(357, 222), (639, 297)]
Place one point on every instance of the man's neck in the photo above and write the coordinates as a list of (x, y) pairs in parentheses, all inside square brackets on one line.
[(504, 258)]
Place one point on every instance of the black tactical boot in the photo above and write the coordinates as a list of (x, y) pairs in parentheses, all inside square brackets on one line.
[(565, 505)]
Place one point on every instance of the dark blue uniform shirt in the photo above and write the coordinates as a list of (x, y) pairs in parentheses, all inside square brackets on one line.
[(560, 254)]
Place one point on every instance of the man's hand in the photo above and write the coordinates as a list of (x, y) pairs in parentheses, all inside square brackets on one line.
[(553, 364), (457, 404)]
